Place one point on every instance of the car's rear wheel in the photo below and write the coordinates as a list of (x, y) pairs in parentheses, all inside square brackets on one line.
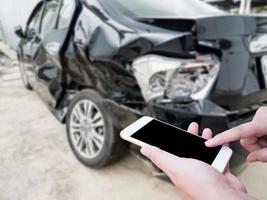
[(24, 76), (90, 131)]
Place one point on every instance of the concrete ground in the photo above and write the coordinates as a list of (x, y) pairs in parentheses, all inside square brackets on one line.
[(37, 163)]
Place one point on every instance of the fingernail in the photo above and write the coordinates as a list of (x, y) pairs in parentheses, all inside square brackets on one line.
[(208, 143), (252, 159)]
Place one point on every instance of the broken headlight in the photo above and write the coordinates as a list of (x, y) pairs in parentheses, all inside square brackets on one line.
[(193, 80), (177, 78)]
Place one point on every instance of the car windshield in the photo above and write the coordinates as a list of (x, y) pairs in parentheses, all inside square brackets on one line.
[(162, 9)]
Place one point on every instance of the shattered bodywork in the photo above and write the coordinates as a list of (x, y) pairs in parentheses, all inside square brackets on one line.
[(218, 45)]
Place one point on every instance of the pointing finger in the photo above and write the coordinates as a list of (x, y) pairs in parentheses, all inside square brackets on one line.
[(240, 132)]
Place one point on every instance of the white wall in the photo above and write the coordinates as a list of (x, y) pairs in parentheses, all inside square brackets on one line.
[(13, 13)]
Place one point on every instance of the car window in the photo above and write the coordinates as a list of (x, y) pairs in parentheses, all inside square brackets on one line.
[(33, 24), (162, 9), (49, 16), (66, 14)]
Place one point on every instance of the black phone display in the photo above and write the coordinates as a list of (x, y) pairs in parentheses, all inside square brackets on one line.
[(176, 141)]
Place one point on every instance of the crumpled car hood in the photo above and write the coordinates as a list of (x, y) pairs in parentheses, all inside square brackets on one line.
[(122, 40)]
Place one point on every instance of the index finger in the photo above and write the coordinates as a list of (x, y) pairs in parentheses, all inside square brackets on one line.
[(240, 132)]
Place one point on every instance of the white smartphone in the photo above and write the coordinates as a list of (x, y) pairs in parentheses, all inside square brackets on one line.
[(175, 141)]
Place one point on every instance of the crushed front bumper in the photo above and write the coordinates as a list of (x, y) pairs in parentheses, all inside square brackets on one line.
[(204, 112)]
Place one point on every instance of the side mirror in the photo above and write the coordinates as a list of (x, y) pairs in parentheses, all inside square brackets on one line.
[(19, 32), (31, 33)]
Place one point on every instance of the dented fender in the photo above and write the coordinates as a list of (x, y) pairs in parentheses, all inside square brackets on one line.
[(107, 39)]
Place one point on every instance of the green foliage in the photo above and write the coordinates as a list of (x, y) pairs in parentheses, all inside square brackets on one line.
[(262, 9), (235, 10)]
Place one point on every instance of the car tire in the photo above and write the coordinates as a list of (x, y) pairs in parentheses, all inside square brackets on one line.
[(239, 160), (90, 131), (24, 76)]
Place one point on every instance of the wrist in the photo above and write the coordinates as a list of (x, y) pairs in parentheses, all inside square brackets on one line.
[(244, 196)]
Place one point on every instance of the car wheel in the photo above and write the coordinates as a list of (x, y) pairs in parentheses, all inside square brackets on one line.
[(24, 77), (90, 131), (238, 163)]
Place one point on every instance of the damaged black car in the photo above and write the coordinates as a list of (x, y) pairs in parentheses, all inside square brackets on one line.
[(99, 65)]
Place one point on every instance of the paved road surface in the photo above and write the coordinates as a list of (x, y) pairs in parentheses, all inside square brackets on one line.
[(36, 162)]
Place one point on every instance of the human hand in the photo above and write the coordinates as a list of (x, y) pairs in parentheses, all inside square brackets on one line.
[(195, 178), (252, 136)]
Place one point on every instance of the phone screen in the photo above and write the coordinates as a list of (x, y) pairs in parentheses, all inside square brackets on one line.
[(176, 141)]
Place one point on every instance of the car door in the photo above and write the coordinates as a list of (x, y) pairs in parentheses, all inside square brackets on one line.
[(31, 32), (55, 26)]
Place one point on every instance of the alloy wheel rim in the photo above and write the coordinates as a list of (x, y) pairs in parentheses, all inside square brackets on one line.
[(87, 129)]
